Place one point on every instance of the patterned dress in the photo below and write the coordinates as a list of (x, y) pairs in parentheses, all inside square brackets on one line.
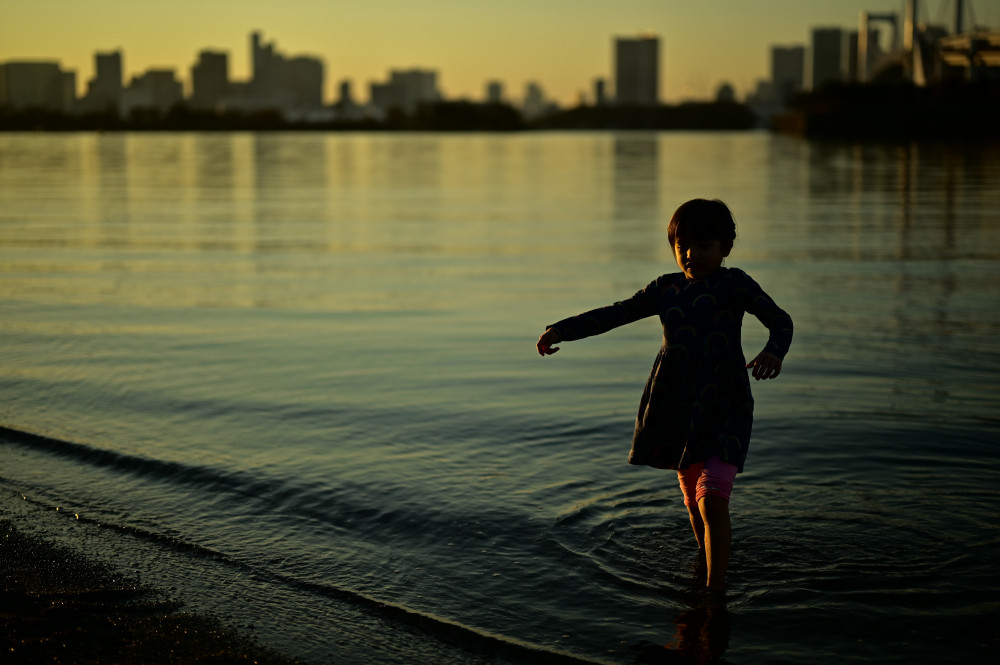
[(697, 402)]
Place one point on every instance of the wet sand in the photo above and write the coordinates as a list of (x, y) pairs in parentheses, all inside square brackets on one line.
[(58, 607)]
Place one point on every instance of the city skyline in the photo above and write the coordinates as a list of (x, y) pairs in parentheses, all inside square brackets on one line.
[(562, 46)]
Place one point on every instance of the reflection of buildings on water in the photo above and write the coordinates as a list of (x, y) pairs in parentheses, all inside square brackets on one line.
[(214, 168), (636, 194), (413, 164), (922, 179), (636, 176), (905, 234), (290, 176)]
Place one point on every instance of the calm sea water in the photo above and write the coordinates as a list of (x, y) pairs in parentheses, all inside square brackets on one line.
[(292, 378)]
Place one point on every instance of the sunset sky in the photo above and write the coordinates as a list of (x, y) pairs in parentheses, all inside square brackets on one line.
[(561, 44)]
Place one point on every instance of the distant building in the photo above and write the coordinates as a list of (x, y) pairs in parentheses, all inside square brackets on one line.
[(788, 66), (210, 80), (265, 75), (494, 92), (764, 102), (37, 85), (346, 107), (637, 71), (600, 92), (973, 57), (104, 91), (534, 105), (281, 83), (303, 79), (873, 54), (380, 97), (156, 90), (406, 90), (829, 56), (346, 96)]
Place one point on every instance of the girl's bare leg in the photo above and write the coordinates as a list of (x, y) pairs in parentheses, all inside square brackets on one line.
[(717, 538), (698, 526)]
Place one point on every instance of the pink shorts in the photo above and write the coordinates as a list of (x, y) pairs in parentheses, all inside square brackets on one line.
[(713, 477)]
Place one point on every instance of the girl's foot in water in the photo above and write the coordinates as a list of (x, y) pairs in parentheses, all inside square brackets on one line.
[(701, 565)]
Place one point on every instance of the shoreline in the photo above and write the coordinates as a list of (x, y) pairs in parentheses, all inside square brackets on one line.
[(60, 606)]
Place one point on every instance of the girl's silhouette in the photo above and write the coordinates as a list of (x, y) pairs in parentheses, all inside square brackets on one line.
[(696, 411)]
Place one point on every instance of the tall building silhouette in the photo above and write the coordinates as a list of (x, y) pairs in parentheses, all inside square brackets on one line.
[(104, 91), (303, 80), (873, 52), (829, 56), (210, 80), (788, 67), (534, 105), (156, 90), (264, 74), (600, 92), (405, 90), (281, 83), (37, 85), (494, 92), (637, 70), (346, 106)]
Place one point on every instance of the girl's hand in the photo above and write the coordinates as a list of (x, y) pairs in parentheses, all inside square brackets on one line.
[(765, 366), (545, 342)]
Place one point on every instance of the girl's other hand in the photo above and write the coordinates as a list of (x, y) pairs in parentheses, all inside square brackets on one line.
[(545, 342), (765, 366)]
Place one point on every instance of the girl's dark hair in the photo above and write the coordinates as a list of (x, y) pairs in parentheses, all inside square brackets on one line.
[(702, 219)]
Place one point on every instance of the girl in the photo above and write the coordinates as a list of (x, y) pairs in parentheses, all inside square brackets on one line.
[(696, 411)]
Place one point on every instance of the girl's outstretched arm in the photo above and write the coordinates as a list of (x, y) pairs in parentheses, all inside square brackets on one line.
[(765, 366), (644, 303), (545, 342)]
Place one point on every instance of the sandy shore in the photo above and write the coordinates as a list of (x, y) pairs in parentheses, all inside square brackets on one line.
[(58, 607)]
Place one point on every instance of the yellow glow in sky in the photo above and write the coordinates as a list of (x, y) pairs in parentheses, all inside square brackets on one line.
[(562, 44)]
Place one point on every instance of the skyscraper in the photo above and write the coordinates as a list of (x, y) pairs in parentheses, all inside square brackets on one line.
[(104, 91), (406, 90), (36, 85), (303, 79), (637, 70), (600, 92), (264, 75), (209, 80), (494, 92), (788, 66), (155, 90), (829, 56), (281, 83), (534, 104), (873, 53)]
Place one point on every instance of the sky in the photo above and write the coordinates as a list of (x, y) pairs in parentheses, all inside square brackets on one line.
[(561, 44)]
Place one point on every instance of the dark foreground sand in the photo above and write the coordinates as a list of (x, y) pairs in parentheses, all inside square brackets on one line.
[(56, 607)]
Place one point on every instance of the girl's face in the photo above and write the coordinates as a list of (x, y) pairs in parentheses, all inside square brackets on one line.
[(700, 257)]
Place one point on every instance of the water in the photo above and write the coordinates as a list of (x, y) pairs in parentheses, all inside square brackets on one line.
[(292, 377)]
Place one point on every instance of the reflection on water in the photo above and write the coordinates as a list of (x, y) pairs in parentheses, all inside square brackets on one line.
[(701, 636), (340, 326), (636, 178)]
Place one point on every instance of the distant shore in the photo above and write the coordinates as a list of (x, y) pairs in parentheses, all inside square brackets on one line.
[(58, 606), (439, 117), (900, 111)]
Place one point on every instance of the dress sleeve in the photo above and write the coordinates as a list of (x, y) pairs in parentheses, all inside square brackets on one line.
[(776, 320), (641, 305)]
